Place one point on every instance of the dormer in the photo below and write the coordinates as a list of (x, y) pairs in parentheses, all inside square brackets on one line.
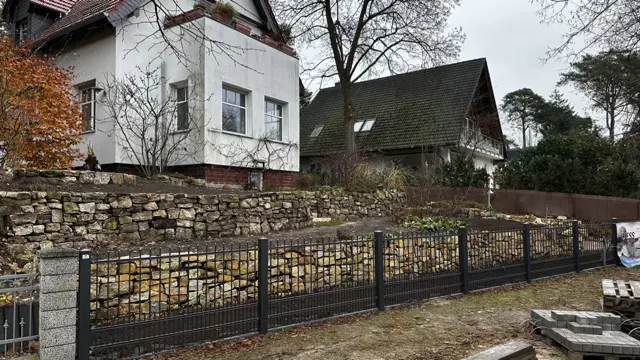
[(28, 18)]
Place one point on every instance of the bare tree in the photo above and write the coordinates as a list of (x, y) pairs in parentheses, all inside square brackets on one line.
[(354, 39), (157, 125), (604, 24)]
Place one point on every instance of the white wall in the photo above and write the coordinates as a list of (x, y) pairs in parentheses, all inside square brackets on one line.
[(93, 59), (239, 60), (486, 163), (261, 72)]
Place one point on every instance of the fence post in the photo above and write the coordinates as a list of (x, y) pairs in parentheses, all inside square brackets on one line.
[(263, 285), (84, 305), (463, 250), (58, 303), (614, 241), (526, 240), (379, 243), (575, 234)]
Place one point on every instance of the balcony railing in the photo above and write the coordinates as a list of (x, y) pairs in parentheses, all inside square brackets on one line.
[(473, 139)]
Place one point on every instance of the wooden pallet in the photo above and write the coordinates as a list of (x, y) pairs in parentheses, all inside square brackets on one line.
[(621, 296)]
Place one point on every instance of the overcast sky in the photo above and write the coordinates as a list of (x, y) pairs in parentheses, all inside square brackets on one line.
[(509, 34)]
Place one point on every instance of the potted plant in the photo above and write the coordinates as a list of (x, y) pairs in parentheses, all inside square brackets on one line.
[(243, 28), (223, 12), (269, 41)]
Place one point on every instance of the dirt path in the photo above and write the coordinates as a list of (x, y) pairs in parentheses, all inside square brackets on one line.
[(437, 330)]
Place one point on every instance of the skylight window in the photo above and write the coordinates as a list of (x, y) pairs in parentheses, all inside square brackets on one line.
[(316, 131), (363, 125), (368, 124)]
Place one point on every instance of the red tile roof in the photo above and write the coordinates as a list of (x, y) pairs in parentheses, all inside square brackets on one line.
[(82, 12), (62, 6)]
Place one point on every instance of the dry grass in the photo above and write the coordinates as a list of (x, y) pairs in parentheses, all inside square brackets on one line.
[(436, 330)]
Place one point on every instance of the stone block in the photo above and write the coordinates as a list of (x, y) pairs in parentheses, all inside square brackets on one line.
[(58, 336), (62, 352), (57, 318), (510, 350), (58, 252), (59, 266), (58, 283)]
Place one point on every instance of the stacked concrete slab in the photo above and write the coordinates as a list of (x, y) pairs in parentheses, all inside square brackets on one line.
[(513, 350), (584, 333)]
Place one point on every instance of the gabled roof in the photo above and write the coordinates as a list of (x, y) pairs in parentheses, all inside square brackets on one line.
[(420, 108), (62, 6), (85, 12)]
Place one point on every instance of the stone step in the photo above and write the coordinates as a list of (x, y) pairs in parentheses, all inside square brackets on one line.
[(513, 350)]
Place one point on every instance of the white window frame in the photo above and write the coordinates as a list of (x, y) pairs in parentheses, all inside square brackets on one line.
[(176, 88), (91, 90), (269, 118), (245, 108), (316, 131), (367, 125), (359, 126)]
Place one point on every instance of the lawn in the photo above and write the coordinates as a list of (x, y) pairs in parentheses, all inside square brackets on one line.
[(442, 329)]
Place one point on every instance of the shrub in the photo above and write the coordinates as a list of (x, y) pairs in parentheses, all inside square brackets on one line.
[(225, 9), (431, 224), (462, 173), (308, 181), (355, 173)]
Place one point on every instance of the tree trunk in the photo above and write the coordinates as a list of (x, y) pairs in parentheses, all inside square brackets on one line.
[(349, 119), (612, 122), (524, 134)]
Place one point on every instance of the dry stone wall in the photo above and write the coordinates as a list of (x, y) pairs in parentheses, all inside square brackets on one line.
[(32, 220), (140, 285)]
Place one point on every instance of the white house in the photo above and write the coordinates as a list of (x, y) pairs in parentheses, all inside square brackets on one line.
[(417, 120), (232, 83)]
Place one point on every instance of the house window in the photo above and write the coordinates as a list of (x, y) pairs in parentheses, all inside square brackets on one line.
[(234, 111), (182, 107), (273, 120), (368, 125), (316, 131), (22, 29), (363, 125), (88, 106)]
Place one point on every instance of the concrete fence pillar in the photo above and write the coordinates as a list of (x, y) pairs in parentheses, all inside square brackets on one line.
[(58, 303)]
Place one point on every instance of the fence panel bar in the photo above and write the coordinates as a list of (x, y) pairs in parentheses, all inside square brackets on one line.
[(263, 285), (378, 238), (464, 259), (575, 233), (526, 239), (84, 305), (614, 241)]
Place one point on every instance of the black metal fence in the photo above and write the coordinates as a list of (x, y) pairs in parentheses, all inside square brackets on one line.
[(151, 300), (18, 312)]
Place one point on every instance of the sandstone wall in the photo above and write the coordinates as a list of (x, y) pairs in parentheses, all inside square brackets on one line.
[(139, 285), (32, 220)]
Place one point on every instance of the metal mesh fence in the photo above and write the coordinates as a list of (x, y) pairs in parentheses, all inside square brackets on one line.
[(155, 299)]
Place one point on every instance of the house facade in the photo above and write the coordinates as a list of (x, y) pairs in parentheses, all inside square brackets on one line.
[(416, 120), (228, 85)]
